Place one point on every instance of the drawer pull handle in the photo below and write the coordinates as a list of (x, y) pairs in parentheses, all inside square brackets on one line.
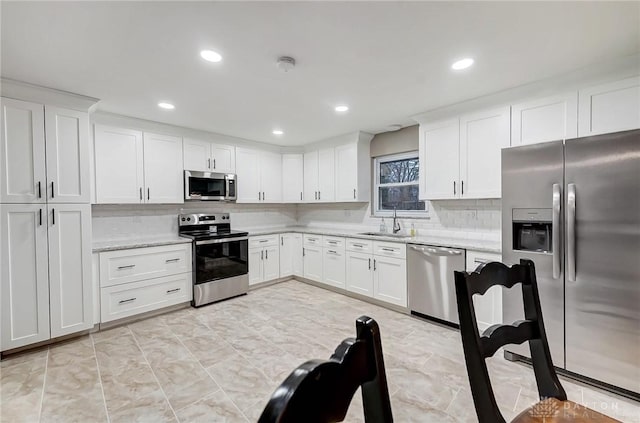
[(333, 242), (332, 252), (173, 260), (312, 239), (129, 266), (169, 291), (264, 240), (389, 249), (358, 245), (127, 301)]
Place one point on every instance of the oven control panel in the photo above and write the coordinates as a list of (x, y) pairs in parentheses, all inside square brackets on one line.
[(203, 219)]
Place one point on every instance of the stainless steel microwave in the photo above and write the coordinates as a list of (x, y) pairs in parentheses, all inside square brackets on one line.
[(209, 186)]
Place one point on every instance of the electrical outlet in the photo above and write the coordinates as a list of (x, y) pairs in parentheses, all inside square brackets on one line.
[(347, 213), (471, 214)]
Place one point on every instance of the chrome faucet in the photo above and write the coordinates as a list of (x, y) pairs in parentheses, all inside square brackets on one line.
[(396, 224)]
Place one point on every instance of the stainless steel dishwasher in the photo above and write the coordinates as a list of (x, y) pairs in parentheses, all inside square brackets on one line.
[(432, 292)]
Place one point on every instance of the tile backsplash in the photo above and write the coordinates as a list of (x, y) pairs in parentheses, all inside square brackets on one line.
[(117, 222), (470, 219)]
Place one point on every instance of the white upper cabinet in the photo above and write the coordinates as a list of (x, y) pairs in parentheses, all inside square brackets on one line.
[(197, 155), (119, 165), (22, 153), (292, 178), (609, 107), (346, 165), (132, 167), (206, 156), (223, 158), (259, 176), (547, 119), (67, 147), (163, 173), (311, 176), (440, 144), (24, 281), (483, 135), (70, 283), (319, 175), (326, 175), (462, 156), (271, 177), (248, 171)]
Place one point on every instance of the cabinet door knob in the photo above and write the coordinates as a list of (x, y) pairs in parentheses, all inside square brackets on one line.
[(39, 189), (53, 195), (354, 193)]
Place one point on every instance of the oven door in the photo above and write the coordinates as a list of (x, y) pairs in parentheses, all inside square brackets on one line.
[(205, 186), (220, 259)]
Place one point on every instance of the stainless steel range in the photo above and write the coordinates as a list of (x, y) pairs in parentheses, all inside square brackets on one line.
[(220, 257)]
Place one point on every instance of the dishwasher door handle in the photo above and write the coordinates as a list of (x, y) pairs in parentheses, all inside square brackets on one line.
[(430, 251)]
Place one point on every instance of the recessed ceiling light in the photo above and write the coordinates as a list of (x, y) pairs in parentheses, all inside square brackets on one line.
[(168, 106), (341, 108), (277, 132), (462, 64), (210, 56)]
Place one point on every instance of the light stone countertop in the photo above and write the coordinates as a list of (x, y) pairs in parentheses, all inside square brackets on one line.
[(142, 242), (467, 244)]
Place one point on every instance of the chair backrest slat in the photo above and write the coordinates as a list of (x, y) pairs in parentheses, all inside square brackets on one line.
[(498, 336), (477, 348), (495, 273)]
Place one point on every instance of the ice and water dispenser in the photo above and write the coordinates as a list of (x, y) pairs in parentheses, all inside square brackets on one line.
[(532, 229)]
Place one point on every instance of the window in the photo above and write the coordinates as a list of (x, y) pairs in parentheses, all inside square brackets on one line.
[(396, 184)]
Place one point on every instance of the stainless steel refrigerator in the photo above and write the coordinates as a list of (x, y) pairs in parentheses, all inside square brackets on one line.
[(573, 207)]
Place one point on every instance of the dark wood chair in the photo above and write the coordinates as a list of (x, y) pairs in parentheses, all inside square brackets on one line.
[(320, 391), (554, 406)]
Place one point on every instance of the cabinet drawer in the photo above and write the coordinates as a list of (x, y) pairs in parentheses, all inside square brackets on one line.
[(389, 249), (117, 267), (359, 245), (333, 243), (311, 240), (476, 258), (263, 241), (139, 297)]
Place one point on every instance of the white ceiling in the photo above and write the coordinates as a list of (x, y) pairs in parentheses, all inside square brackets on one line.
[(386, 60)]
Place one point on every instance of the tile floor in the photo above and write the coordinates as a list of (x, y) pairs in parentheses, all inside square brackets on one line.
[(220, 364)]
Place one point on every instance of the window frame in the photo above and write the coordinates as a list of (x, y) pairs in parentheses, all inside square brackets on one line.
[(376, 185)]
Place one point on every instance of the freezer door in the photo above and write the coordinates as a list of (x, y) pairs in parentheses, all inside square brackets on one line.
[(532, 178), (603, 258)]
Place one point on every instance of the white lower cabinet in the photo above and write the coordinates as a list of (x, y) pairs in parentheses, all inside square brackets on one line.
[(390, 280), (359, 268), (139, 280), (290, 254), (45, 271), (264, 259), (312, 259), (488, 306), (333, 267), (133, 298), (377, 269)]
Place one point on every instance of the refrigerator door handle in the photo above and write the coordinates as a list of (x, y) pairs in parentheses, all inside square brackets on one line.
[(571, 232), (555, 228)]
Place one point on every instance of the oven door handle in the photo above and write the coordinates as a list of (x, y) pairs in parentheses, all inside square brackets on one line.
[(221, 240)]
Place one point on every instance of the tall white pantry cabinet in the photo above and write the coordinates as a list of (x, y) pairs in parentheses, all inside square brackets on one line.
[(45, 222)]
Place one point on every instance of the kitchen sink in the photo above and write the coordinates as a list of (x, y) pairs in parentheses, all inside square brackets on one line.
[(386, 234)]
